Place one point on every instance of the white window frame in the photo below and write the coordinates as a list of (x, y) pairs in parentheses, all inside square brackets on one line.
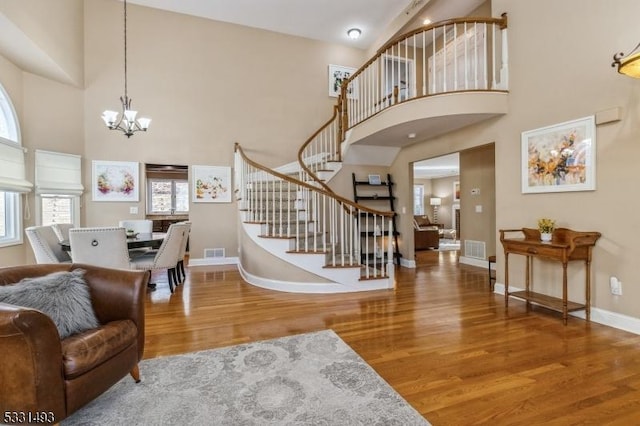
[(75, 208), (173, 195), (418, 200), (11, 200)]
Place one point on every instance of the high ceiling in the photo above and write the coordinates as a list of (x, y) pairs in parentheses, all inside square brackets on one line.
[(325, 20)]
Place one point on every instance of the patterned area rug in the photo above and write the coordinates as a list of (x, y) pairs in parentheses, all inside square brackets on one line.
[(307, 379)]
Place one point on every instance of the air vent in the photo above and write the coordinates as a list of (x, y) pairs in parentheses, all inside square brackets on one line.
[(474, 249), (214, 253)]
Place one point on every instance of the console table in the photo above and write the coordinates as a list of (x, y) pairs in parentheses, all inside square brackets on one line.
[(565, 246)]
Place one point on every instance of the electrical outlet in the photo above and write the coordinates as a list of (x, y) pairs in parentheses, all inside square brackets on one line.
[(616, 286), (133, 210)]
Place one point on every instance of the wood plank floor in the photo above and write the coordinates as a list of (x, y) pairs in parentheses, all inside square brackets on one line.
[(441, 339)]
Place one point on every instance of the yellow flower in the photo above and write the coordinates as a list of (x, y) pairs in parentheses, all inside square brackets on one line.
[(546, 225)]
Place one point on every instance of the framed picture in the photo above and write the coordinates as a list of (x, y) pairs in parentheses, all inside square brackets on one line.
[(115, 181), (560, 158), (211, 184), (337, 75), (374, 180)]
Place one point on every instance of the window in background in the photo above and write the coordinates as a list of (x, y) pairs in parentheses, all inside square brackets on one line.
[(57, 209), (418, 200), (12, 173), (167, 189)]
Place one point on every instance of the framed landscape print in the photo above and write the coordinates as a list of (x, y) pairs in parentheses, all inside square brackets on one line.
[(560, 158), (211, 184), (115, 181)]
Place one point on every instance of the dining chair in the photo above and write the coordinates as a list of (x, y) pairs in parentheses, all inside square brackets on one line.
[(46, 246), (106, 247), (166, 257), (183, 251), (62, 230), (139, 226)]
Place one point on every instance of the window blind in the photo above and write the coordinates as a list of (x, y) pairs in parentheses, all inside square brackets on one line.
[(58, 173), (12, 168)]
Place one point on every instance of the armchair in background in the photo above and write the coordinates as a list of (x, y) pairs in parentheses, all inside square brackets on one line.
[(426, 235)]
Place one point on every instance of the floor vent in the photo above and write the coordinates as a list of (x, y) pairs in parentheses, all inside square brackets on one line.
[(475, 249), (213, 252)]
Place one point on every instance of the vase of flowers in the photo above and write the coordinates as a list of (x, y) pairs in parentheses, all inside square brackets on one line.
[(546, 227)]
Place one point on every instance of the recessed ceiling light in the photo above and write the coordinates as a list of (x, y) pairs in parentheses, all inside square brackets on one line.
[(354, 33), (411, 135), (427, 21)]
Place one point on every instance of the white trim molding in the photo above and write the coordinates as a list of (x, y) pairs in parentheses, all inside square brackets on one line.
[(600, 316)]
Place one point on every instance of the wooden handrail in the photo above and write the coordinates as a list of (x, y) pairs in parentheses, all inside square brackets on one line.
[(346, 202), (306, 144)]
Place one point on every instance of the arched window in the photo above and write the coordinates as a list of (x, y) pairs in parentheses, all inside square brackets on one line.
[(12, 173)]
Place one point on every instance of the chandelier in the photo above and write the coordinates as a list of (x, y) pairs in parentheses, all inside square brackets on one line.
[(127, 123)]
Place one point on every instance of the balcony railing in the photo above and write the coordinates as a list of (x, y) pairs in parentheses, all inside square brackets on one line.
[(462, 54)]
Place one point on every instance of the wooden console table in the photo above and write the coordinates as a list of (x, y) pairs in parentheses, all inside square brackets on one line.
[(566, 246)]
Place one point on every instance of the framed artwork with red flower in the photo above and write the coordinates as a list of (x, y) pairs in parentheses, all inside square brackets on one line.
[(115, 181), (560, 158)]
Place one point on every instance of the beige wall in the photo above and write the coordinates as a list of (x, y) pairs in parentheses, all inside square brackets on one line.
[(478, 188), (560, 72), (53, 31), (206, 85)]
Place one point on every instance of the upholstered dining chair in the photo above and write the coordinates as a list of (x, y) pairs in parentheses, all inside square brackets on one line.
[(106, 247), (139, 226), (180, 272), (46, 245), (166, 257), (143, 226), (62, 230)]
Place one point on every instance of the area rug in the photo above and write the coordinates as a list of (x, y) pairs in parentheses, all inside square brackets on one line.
[(306, 379)]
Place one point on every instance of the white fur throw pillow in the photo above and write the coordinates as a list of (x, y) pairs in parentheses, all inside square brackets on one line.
[(63, 296)]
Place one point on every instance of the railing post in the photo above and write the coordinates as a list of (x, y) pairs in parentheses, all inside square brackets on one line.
[(391, 271), (504, 66)]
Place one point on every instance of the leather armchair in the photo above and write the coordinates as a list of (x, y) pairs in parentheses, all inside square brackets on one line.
[(41, 373), (426, 235)]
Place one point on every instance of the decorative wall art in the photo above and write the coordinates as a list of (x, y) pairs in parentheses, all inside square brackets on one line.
[(560, 158), (456, 191), (211, 184), (115, 181), (337, 75)]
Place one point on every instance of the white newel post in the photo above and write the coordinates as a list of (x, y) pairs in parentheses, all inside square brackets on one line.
[(391, 271)]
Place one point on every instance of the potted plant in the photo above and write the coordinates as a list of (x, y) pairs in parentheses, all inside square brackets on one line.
[(546, 227)]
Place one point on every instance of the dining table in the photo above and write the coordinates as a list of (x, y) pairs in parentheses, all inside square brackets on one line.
[(153, 240)]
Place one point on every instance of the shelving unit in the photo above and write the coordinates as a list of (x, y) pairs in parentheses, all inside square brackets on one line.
[(373, 194)]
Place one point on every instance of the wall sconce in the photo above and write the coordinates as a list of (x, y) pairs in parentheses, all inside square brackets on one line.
[(628, 65), (435, 202)]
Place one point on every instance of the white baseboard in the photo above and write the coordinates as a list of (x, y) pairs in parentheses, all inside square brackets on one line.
[(600, 316), (214, 261), (473, 261), (407, 263)]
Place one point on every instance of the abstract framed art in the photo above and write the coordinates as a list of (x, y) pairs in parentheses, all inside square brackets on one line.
[(337, 75), (211, 184), (560, 158), (115, 181)]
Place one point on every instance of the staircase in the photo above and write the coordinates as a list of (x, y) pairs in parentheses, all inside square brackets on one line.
[(295, 233)]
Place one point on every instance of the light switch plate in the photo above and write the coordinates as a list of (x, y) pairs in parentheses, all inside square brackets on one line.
[(133, 210)]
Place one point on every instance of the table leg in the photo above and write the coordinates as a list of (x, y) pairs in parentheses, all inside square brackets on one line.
[(528, 278), (565, 313), (588, 290), (506, 280)]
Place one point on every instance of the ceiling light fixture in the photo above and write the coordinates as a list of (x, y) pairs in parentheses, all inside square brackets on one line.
[(426, 21), (628, 65), (127, 123), (354, 33)]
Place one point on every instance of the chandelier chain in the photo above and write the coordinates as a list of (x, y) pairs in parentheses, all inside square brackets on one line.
[(125, 51)]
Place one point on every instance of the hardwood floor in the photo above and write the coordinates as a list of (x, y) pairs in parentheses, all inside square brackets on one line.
[(441, 339)]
